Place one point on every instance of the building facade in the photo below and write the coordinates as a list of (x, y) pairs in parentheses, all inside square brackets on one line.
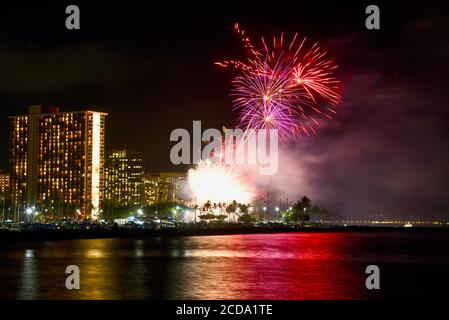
[(57, 160), (165, 187), (124, 178), (4, 186)]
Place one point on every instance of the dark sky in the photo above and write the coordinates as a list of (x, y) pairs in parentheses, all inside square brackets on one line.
[(151, 68)]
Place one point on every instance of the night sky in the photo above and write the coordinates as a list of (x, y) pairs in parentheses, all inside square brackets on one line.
[(151, 68)]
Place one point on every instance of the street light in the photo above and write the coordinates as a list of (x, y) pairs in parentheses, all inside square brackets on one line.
[(140, 212), (29, 212), (264, 213)]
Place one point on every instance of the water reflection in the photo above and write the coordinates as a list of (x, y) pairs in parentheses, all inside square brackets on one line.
[(97, 280), (28, 281), (287, 266), (270, 266)]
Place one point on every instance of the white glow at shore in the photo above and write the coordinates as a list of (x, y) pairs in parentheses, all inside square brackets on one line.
[(217, 183)]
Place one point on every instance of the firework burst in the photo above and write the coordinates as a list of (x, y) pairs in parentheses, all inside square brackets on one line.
[(218, 183), (289, 86)]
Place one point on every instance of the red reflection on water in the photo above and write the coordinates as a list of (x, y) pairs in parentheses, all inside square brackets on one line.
[(317, 269), (277, 266), (256, 266)]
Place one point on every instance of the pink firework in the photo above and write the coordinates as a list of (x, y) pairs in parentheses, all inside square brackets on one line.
[(286, 86)]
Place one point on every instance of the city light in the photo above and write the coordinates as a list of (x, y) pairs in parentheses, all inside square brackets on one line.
[(96, 145), (70, 182)]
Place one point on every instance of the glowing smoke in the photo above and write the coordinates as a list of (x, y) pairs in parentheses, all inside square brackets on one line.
[(218, 183)]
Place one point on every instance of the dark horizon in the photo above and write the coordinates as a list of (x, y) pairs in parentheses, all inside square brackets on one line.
[(152, 69)]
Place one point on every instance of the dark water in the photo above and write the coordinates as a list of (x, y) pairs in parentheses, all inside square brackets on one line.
[(258, 266)]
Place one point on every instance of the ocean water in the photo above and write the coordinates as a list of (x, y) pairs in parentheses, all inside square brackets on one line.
[(315, 265)]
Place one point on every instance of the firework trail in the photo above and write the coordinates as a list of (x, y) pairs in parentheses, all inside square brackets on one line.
[(285, 86)]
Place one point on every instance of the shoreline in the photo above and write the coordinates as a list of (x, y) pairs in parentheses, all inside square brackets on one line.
[(55, 235)]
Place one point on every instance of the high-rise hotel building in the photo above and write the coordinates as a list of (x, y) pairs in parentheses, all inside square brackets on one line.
[(57, 158), (124, 178), (4, 186), (165, 187)]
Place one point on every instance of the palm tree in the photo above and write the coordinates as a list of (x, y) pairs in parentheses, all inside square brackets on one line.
[(243, 208), (300, 210), (231, 208), (207, 206)]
